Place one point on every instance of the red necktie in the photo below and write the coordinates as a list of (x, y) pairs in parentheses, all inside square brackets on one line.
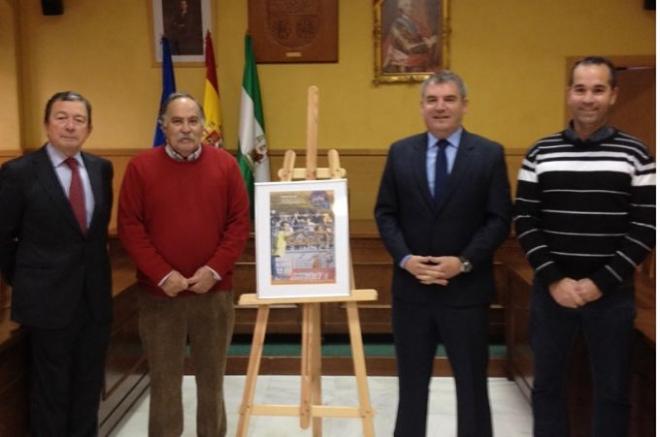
[(76, 194)]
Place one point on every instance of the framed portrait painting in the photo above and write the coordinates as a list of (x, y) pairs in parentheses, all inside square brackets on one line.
[(411, 39), (301, 234), (184, 23)]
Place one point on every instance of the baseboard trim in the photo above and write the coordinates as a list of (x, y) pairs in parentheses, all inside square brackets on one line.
[(343, 366)]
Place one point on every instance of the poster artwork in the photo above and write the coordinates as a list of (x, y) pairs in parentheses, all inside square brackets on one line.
[(302, 230)]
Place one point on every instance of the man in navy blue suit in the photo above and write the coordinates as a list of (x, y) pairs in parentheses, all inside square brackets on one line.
[(443, 208)]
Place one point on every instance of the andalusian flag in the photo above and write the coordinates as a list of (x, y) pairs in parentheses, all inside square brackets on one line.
[(252, 158), (213, 134), (168, 87)]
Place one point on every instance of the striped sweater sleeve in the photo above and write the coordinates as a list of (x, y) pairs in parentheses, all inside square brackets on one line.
[(640, 237), (527, 222)]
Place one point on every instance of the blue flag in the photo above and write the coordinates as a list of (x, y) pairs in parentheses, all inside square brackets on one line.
[(169, 86)]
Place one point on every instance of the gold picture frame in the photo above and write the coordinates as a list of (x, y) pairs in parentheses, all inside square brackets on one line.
[(411, 39)]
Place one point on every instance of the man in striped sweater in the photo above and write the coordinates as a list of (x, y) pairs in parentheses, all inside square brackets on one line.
[(585, 217)]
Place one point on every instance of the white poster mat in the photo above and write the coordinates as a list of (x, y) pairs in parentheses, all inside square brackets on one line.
[(302, 242)]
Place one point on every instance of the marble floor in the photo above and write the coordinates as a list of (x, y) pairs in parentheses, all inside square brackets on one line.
[(511, 412)]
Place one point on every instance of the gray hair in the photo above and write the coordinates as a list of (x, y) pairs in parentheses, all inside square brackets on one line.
[(445, 76), (176, 96)]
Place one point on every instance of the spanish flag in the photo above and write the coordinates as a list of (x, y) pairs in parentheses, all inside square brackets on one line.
[(213, 134)]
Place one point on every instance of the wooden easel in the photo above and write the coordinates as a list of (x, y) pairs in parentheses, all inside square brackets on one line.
[(310, 411)]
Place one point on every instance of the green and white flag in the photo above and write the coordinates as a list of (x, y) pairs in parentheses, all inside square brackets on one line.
[(253, 158)]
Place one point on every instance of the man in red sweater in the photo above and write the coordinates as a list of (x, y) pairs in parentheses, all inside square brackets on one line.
[(184, 219)]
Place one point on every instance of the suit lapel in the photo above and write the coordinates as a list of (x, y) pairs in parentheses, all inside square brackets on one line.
[(419, 164), (460, 168), (52, 186), (93, 168)]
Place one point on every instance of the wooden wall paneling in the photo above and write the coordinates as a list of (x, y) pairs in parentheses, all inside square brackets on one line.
[(514, 158), (119, 159), (519, 352), (496, 314), (643, 394), (14, 369), (6, 155), (634, 111), (283, 319), (126, 369), (364, 169), (125, 351), (372, 268), (374, 316)]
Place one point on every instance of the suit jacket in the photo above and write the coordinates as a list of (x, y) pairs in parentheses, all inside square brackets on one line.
[(472, 220), (44, 255)]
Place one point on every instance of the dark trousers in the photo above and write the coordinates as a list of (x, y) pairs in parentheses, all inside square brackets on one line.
[(607, 326), (67, 370), (418, 328)]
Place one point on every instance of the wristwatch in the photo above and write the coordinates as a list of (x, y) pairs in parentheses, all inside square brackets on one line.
[(466, 265)]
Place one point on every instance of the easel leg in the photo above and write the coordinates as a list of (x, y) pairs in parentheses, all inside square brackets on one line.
[(305, 366), (360, 368), (315, 363), (253, 370), (310, 393)]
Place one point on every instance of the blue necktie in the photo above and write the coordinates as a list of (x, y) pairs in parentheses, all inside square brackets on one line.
[(440, 171)]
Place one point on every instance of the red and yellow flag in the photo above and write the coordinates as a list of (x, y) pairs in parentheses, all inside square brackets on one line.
[(213, 132)]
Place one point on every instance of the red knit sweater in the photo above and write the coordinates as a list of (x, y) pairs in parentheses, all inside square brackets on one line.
[(183, 215)]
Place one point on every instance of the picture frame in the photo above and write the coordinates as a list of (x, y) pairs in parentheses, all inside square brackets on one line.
[(411, 39), (184, 23), (301, 236), (294, 31)]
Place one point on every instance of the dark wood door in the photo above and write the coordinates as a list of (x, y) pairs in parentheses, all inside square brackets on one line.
[(634, 111)]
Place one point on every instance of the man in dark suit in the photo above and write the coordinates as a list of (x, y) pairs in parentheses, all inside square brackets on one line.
[(443, 208), (56, 205)]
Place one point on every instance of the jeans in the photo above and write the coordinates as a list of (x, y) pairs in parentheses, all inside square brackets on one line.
[(607, 327)]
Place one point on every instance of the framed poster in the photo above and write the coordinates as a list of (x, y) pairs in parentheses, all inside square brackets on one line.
[(411, 39), (184, 23), (294, 31), (301, 234)]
